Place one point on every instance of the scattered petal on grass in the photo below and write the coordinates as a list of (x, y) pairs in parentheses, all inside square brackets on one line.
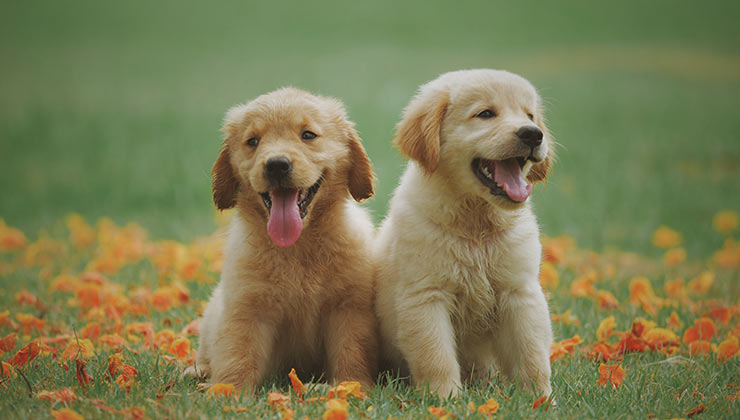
[(79, 349), (112, 341), (561, 348), (25, 355), (674, 256), (701, 283), (696, 410), (549, 277), (193, 328), (583, 287), (276, 399), (728, 349), (700, 347), (439, 412), (296, 383), (613, 374), (336, 409), (115, 363), (725, 221), (566, 318), (606, 300), (703, 329), (539, 401), (346, 389), (666, 237), (660, 338), (7, 343), (29, 322), (641, 293), (605, 328), (11, 239), (220, 390), (489, 408), (66, 414), (64, 396), (180, 348), (675, 288), (81, 373), (7, 370)]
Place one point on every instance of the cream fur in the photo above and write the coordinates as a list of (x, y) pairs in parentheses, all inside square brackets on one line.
[(458, 290), (308, 306)]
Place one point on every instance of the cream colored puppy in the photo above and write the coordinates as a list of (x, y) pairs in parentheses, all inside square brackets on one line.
[(296, 287), (458, 290)]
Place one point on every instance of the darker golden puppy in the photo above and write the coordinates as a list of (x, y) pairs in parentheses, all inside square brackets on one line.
[(296, 287)]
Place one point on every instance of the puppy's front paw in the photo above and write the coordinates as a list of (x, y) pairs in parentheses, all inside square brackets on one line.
[(196, 372), (446, 389)]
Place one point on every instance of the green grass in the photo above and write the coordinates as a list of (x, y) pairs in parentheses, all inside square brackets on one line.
[(114, 109)]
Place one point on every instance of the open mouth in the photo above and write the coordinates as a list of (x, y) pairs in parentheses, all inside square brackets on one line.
[(288, 207), (304, 197), (505, 178)]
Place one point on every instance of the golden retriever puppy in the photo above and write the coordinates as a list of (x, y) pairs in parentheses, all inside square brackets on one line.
[(296, 287), (459, 252)]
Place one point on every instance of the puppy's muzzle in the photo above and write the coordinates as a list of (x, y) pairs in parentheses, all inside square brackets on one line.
[(278, 170), (530, 135)]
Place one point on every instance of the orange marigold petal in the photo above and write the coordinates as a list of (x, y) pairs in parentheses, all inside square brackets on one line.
[(728, 349), (296, 383), (220, 390), (489, 408), (25, 355), (66, 414), (605, 328), (336, 409), (613, 374)]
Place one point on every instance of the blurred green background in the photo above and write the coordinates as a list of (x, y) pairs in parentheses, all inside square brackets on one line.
[(113, 108)]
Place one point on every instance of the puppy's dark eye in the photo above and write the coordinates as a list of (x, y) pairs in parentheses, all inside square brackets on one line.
[(531, 117), (253, 142), (308, 135), (486, 114)]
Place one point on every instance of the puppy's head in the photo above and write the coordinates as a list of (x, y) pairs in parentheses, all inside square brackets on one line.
[(482, 129), (288, 155)]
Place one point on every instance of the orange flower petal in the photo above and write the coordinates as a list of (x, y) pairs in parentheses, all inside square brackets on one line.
[(66, 414), (296, 383), (64, 395), (489, 408), (336, 409), (220, 390), (613, 374), (728, 349), (25, 355), (605, 328)]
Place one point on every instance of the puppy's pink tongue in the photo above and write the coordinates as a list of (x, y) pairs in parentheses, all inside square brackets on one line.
[(284, 225), (508, 175)]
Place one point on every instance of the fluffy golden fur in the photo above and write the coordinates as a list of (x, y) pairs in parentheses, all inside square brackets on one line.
[(308, 305), (458, 290)]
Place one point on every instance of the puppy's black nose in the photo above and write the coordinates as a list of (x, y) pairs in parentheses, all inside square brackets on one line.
[(530, 135), (277, 169)]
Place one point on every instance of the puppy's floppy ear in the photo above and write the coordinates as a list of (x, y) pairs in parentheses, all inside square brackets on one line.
[(540, 171), (360, 182), (223, 182), (417, 134)]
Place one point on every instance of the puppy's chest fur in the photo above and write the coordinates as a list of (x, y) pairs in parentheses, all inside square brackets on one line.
[(481, 277)]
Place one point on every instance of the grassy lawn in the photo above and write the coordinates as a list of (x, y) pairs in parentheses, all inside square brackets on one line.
[(113, 110)]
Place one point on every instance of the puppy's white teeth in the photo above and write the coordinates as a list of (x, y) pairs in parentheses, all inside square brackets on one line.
[(302, 195), (486, 172), (527, 166)]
